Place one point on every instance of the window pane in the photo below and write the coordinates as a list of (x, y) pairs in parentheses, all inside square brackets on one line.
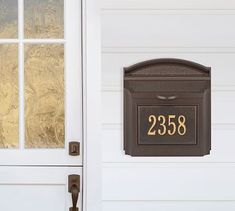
[(44, 96), (44, 18), (8, 19), (9, 131)]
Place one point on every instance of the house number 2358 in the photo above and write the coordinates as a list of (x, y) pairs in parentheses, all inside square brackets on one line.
[(167, 125)]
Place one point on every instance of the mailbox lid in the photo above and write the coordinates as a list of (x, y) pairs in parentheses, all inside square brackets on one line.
[(167, 69)]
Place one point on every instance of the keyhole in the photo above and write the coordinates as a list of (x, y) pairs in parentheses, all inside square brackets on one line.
[(74, 149)]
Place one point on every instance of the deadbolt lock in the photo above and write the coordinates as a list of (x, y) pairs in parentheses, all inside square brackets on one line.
[(74, 148)]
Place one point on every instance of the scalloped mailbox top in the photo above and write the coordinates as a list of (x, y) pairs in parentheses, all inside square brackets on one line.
[(167, 68)]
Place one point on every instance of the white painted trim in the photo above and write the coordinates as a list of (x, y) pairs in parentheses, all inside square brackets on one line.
[(8, 41), (21, 73), (92, 105), (39, 41), (73, 72)]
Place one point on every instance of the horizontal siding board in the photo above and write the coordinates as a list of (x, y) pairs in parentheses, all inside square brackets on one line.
[(222, 64), (169, 182), (168, 30), (167, 4), (222, 151), (223, 104), (168, 205)]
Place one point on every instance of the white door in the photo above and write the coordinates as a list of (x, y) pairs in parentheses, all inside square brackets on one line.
[(41, 104)]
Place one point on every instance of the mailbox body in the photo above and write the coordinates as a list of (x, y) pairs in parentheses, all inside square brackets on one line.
[(167, 108)]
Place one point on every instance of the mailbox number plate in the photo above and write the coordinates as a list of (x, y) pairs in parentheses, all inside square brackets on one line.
[(167, 124)]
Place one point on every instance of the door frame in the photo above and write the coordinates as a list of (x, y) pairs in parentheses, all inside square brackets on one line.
[(91, 53)]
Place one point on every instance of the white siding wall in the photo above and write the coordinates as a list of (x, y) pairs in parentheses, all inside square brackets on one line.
[(198, 30)]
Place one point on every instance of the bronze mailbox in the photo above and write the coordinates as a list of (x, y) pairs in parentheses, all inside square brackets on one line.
[(167, 108)]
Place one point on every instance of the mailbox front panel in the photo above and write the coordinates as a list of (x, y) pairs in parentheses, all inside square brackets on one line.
[(167, 124), (160, 119)]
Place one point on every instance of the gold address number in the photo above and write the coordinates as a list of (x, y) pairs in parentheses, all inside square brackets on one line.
[(167, 125)]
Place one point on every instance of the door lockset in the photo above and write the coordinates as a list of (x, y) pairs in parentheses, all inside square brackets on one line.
[(74, 148), (74, 189)]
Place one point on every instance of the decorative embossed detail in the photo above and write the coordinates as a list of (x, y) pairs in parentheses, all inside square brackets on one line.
[(9, 125), (44, 96), (8, 18), (44, 18), (167, 67)]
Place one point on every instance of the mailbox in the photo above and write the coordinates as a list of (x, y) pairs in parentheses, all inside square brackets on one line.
[(167, 108)]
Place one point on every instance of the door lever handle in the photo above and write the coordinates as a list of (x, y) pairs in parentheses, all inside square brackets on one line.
[(75, 192), (74, 189)]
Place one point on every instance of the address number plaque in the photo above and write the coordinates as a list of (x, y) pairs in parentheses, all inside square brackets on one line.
[(167, 108)]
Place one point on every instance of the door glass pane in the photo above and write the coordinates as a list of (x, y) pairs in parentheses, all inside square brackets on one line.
[(44, 96), (9, 96), (8, 18), (44, 18)]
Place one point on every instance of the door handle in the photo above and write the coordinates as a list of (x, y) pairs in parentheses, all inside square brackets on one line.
[(74, 189), (161, 97)]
